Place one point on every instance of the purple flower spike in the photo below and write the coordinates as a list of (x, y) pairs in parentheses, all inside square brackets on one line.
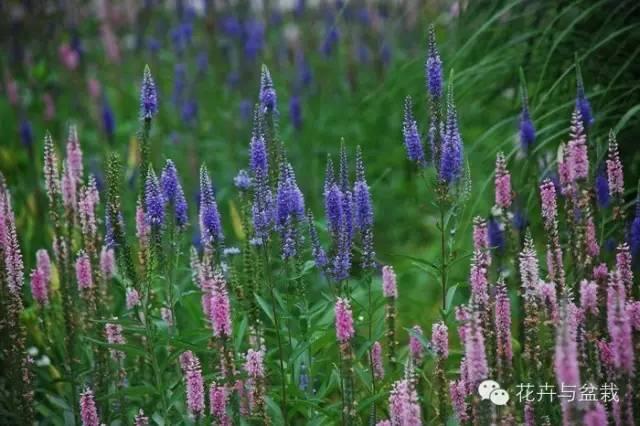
[(268, 97), (433, 67), (412, 142), (172, 190), (154, 200), (148, 96), (210, 224), (452, 148), (582, 103)]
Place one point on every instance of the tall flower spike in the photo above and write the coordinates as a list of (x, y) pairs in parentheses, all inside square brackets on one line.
[(503, 324), (615, 174), (415, 345), (343, 172), (319, 255), (154, 200), (210, 224), (258, 159), (194, 383), (475, 353), (376, 361), (148, 96), (623, 265), (527, 131), (74, 155), (88, 410), (566, 359), (549, 203), (333, 209), (39, 287), (412, 142), (452, 148), (43, 262), (268, 97), (344, 320), (220, 307), (113, 332), (107, 263), (440, 339), (173, 193), (577, 148), (433, 67), (404, 408), (51, 172), (389, 287), (83, 271), (363, 212), (504, 196), (582, 103)]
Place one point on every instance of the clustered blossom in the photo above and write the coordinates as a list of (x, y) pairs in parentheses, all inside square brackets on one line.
[(132, 298), (527, 131), (404, 408), (154, 201), (412, 142), (344, 320), (107, 263), (615, 174), (39, 287), (433, 67), (88, 410), (415, 345), (457, 393), (440, 339), (115, 337), (173, 193), (619, 325), (389, 286), (503, 323), (268, 97), (148, 96), (549, 203), (83, 271), (194, 383), (577, 149), (504, 196), (210, 224), (218, 399), (376, 360), (475, 353), (452, 155), (216, 304), (589, 297)]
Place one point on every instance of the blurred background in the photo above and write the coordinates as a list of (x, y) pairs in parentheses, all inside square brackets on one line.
[(341, 70)]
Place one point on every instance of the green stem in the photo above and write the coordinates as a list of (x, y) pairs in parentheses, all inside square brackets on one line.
[(443, 248), (278, 337)]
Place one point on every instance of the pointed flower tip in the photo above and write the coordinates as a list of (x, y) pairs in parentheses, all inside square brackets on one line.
[(148, 96)]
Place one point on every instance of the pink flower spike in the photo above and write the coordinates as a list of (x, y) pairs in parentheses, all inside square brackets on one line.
[(504, 196), (74, 155), (440, 339), (194, 383), (415, 345), (615, 174), (589, 297), (549, 203), (88, 410), (577, 148), (254, 364), (83, 271), (218, 399), (404, 408), (43, 263), (389, 287), (39, 287), (376, 361), (344, 320), (133, 298), (115, 337), (107, 263)]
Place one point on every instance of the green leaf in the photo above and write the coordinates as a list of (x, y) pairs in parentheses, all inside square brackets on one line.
[(266, 307), (451, 294)]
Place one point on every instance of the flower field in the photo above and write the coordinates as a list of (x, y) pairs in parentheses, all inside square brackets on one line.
[(313, 213)]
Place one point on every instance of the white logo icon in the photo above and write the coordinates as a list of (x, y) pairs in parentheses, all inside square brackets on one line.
[(490, 389)]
